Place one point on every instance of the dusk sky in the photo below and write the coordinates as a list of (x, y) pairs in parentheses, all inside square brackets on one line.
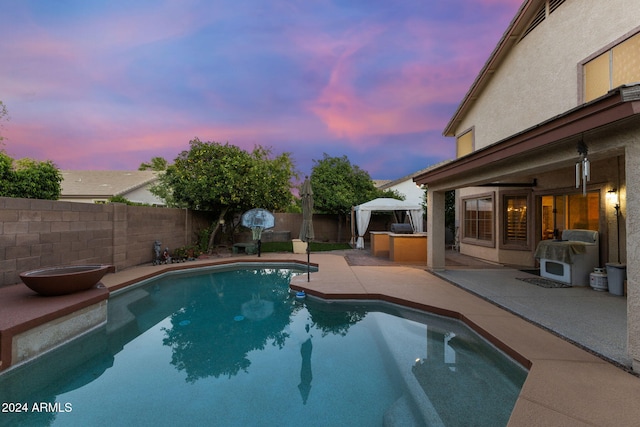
[(109, 84)]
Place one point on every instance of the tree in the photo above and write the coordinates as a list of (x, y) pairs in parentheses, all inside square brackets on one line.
[(4, 115), (158, 164), (338, 186), (228, 180), (29, 178)]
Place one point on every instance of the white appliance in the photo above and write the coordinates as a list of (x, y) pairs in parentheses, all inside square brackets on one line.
[(559, 260)]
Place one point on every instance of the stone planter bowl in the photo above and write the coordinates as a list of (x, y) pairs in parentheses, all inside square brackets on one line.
[(63, 280)]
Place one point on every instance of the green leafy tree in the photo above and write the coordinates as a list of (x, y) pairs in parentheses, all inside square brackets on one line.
[(6, 175), (338, 186), (29, 178), (158, 164), (225, 179), (4, 115)]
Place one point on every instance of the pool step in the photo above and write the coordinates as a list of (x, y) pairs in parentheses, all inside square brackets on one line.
[(401, 414), (393, 330)]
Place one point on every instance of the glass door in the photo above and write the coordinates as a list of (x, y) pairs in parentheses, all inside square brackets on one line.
[(569, 211)]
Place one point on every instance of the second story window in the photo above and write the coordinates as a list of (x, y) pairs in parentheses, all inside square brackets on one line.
[(464, 144), (617, 66)]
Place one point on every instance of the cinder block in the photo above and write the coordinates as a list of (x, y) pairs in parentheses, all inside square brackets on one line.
[(17, 252), (8, 215)]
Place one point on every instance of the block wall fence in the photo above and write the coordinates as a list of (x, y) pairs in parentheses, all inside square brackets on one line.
[(39, 233)]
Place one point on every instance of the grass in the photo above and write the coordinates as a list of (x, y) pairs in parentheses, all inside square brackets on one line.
[(315, 246)]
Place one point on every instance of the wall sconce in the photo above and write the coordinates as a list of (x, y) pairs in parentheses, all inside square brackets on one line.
[(611, 196)]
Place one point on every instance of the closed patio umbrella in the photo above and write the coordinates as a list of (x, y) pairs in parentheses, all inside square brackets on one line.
[(306, 230)]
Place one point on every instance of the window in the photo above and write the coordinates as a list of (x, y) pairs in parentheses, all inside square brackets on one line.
[(516, 225), (464, 144), (478, 220), (617, 66)]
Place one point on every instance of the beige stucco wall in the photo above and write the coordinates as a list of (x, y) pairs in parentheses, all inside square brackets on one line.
[(539, 79), (632, 214)]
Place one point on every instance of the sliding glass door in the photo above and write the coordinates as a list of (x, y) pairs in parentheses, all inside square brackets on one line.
[(569, 211)]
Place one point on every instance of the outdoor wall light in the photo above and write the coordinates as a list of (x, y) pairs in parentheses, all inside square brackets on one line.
[(612, 197)]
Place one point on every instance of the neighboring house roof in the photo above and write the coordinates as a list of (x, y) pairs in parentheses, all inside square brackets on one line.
[(379, 183), (103, 184), (390, 183)]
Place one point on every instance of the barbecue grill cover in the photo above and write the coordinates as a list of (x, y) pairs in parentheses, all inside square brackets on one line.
[(401, 228)]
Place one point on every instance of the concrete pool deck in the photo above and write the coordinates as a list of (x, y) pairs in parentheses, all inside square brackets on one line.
[(566, 385)]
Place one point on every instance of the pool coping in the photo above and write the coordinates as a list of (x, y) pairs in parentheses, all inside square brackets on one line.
[(566, 385)]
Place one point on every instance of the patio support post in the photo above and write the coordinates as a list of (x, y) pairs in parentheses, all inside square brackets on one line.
[(630, 212), (435, 229)]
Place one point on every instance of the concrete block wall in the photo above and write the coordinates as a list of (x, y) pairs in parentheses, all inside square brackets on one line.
[(144, 225), (40, 233), (37, 233), (325, 227)]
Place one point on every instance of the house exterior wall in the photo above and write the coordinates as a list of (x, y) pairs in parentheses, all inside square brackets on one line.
[(138, 195), (143, 195), (632, 219), (540, 78), (409, 190)]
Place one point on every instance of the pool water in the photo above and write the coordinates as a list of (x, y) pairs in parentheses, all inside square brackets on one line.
[(237, 348)]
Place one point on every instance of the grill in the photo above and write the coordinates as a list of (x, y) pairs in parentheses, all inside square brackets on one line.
[(401, 228)]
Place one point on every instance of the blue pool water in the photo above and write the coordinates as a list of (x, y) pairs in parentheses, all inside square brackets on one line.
[(236, 348)]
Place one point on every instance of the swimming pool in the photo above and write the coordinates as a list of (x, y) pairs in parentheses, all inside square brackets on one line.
[(233, 346)]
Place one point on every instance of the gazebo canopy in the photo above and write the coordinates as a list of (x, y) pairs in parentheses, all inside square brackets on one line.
[(363, 214)]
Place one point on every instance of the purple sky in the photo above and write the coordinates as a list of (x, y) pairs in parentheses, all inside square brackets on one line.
[(111, 84)]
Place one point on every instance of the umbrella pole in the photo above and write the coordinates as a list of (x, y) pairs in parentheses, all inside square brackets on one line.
[(308, 260)]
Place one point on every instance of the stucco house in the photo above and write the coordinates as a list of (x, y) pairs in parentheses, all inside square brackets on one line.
[(404, 186), (91, 186), (548, 139)]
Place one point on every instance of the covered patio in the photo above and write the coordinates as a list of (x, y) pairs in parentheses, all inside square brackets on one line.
[(541, 162)]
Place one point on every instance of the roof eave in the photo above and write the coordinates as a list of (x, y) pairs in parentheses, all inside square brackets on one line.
[(618, 104)]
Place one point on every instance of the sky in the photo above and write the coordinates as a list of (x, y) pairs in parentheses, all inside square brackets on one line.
[(109, 84)]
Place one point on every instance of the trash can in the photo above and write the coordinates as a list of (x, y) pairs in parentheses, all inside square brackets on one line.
[(616, 275)]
